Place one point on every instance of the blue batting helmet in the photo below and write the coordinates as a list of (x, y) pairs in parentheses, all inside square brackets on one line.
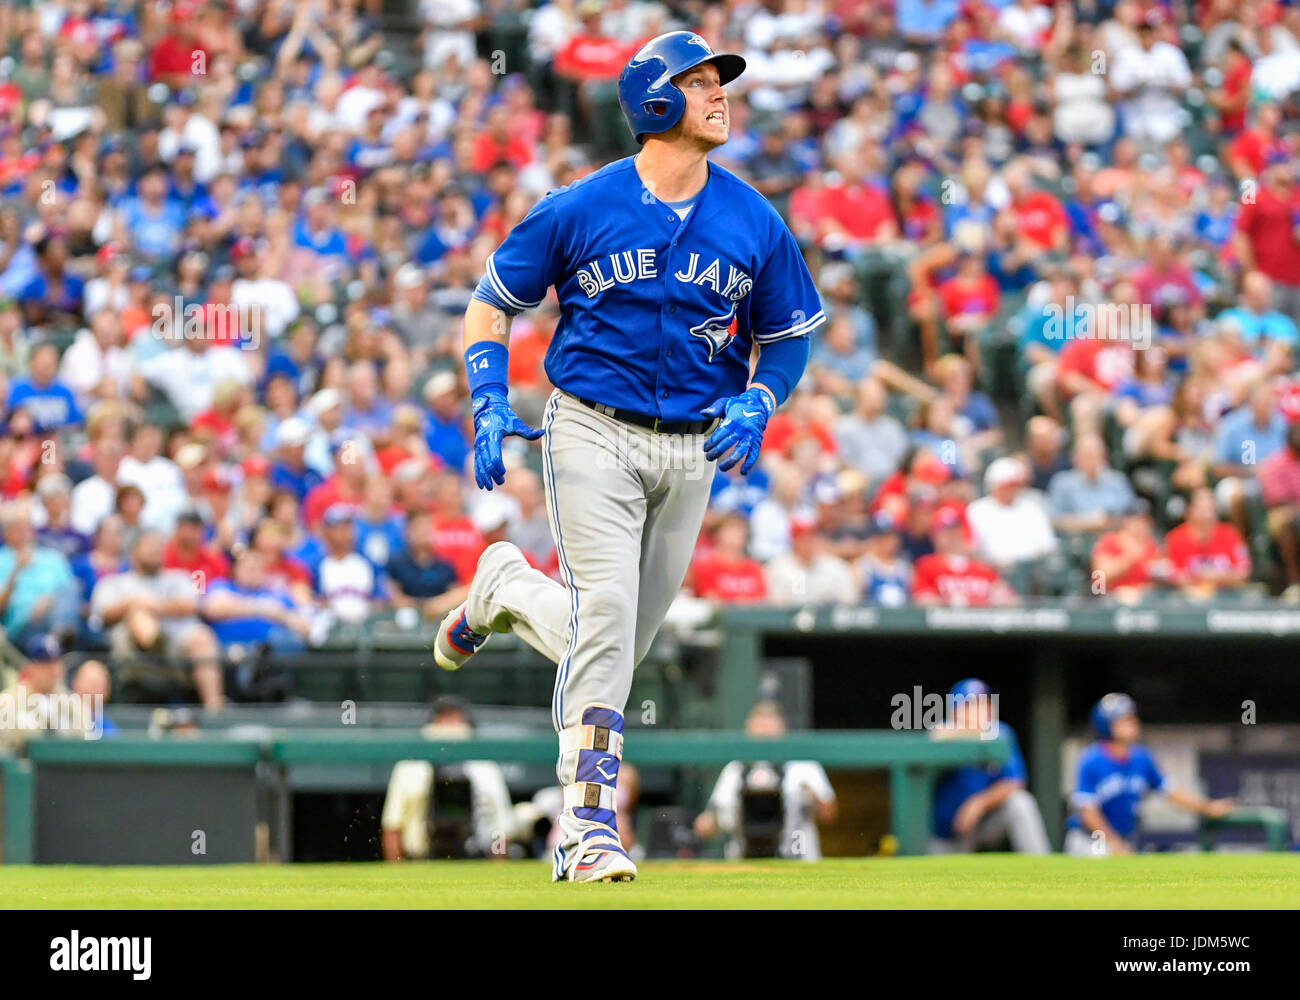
[(645, 88), (1111, 707), (971, 687)]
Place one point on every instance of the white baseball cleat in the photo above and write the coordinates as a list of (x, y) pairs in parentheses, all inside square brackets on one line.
[(603, 864), (456, 642)]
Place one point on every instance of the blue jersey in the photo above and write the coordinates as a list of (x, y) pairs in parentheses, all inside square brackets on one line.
[(956, 786), (658, 314), (1114, 786)]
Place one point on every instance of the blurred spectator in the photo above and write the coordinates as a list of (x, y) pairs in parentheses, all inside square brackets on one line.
[(808, 574), (346, 581), (186, 551), (54, 492), (1127, 562), (25, 706), (1279, 488), (1091, 496), (1010, 524), (886, 576), (726, 573), (248, 609), (418, 578), (37, 588), (1205, 554), (871, 441), (150, 615), (951, 576)]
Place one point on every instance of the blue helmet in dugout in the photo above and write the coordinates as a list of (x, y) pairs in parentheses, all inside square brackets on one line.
[(971, 687), (645, 88), (1111, 707)]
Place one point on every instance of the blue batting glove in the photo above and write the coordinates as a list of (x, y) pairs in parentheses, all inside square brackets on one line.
[(744, 420), (493, 420)]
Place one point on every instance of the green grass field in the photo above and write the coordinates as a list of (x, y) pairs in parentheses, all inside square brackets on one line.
[(1213, 881)]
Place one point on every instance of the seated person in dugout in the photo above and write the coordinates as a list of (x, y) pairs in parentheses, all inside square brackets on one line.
[(985, 806), (768, 809)]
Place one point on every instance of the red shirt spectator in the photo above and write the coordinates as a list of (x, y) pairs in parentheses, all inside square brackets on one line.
[(1279, 477), (1221, 551), (324, 496), (861, 212), (206, 560), (1248, 153), (958, 581), (1040, 219), (732, 581), (1269, 227), (457, 541), (591, 56), (1112, 545), (179, 54), (963, 297), (1105, 363)]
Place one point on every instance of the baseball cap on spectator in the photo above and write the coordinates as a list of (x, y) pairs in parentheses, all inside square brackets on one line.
[(110, 252), (439, 385), (882, 524), (322, 402), (1004, 470), (293, 433), (946, 517), (255, 467), (243, 247), (929, 468), (190, 515), (802, 525), (140, 274), (338, 513), (43, 647), (50, 485), (408, 276), (191, 456), (491, 513), (411, 470), (216, 480)]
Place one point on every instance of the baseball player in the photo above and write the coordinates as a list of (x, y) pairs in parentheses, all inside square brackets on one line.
[(982, 807), (1114, 775), (669, 271)]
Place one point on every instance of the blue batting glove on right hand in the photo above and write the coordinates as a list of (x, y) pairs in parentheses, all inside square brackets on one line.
[(744, 421), (493, 420)]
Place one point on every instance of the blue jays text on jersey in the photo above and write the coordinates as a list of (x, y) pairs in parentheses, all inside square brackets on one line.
[(658, 314)]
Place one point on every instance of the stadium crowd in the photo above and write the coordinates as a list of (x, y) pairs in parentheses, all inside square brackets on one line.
[(1058, 245)]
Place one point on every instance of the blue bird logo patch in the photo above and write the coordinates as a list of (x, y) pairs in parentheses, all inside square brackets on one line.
[(717, 332)]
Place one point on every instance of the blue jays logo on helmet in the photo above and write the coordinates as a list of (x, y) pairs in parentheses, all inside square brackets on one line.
[(1111, 707), (650, 100), (717, 332)]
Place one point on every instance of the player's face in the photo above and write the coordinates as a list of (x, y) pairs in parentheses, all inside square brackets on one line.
[(1127, 729), (707, 119)]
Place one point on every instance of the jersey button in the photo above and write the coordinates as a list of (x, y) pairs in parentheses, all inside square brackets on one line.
[(670, 353), (665, 394), (672, 309)]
